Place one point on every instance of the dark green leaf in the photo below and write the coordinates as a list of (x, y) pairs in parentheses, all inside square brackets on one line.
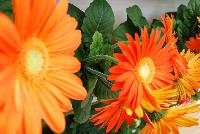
[(98, 17), (91, 83), (77, 14), (82, 114), (103, 91), (156, 24), (135, 14), (6, 7)]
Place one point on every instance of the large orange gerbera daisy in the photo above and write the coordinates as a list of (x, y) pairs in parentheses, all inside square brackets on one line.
[(194, 43), (168, 121), (115, 113), (143, 66), (37, 66), (189, 82)]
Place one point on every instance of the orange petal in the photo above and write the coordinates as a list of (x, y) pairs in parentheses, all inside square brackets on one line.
[(50, 111), (68, 63), (9, 37), (56, 15), (39, 14), (62, 29), (69, 84), (66, 44), (21, 14)]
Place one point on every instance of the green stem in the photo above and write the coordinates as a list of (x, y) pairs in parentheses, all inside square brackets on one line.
[(100, 75), (97, 58)]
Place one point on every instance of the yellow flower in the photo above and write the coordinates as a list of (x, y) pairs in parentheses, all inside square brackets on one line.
[(189, 82), (168, 121)]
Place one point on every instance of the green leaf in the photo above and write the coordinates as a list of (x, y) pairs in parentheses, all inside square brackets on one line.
[(6, 7), (97, 44), (103, 91), (120, 32), (91, 83), (156, 24), (135, 14), (107, 49), (82, 114), (76, 13), (98, 58), (98, 17)]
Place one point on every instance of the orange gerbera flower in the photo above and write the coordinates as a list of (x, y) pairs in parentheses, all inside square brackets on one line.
[(37, 66), (168, 23), (194, 43), (189, 82), (143, 66), (168, 121), (179, 62), (115, 113)]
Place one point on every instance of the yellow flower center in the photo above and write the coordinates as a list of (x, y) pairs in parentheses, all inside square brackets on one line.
[(34, 58), (128, 110), (145, 70)]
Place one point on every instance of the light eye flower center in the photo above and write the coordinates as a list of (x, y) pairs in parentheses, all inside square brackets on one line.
[(34, 59), (145, 70)]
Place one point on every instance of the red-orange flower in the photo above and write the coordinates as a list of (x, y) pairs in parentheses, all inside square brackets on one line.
[(144, 66), (179, 62), (194, 43), (168, 24), (37, 66), (115, 113)]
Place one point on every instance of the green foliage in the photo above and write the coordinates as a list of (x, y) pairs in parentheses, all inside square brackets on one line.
[(120, 32), (135, 14), (187, 24), (156, 24), (98, 17), (6, 7)]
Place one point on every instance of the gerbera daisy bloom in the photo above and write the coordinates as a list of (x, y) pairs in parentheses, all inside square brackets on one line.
[(168, 23), (194, 43), (188, 83), (168, 121), (165, 97), (37, 66), (179, 62), (115, 113), (144, 66)]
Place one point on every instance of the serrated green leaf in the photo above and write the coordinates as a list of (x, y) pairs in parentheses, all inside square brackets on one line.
[(82, 114), (97, 44), (135, 14), (103, 91), (76, 13), (107, 49), (98, 17)]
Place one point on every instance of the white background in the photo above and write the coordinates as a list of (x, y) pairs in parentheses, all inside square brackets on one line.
[(151, 9)]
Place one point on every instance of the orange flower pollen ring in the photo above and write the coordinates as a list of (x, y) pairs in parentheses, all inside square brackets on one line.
[(34, 59), (145, 70)]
